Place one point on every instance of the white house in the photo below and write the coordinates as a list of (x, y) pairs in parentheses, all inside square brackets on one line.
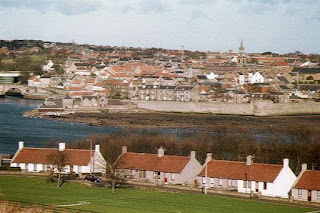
[(159, 167), (256, 78), (78, 160), (48, 66), (248, 177)]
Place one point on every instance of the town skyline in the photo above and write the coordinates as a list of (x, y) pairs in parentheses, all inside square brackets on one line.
[(276, 26)]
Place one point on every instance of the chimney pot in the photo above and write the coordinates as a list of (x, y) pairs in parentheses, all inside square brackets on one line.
[(249, 160), (286, 162), (97, 148), (304, 167), (62, 146), (124, 149), (21, 144), (160, 152), (209, 157), (193, 154)]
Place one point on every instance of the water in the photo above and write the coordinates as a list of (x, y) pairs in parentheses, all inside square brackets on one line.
[(35, 132)]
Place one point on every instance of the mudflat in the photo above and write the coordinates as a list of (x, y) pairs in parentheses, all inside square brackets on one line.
[(192, 121)]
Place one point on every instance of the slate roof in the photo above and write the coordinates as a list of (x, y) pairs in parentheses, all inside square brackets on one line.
[(310, 180), (41, 156), (304, 70), (240, 171), (151, 162)]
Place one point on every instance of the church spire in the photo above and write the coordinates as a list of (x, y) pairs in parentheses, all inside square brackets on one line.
[(241, 48)]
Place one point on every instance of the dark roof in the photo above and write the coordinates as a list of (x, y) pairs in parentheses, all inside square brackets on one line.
[(202, 77), (304, 70), (189, 87), (309, 87), (283, 79), (167, 87), (114, 102)]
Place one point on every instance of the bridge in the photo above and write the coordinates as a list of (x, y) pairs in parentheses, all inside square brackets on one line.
[(23, 89)]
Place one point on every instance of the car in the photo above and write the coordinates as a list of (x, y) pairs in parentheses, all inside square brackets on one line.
[(92, 178)]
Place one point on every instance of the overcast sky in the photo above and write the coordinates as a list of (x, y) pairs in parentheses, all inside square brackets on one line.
[(206, 25)]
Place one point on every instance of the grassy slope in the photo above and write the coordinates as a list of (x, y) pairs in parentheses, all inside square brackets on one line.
[(129, 200)]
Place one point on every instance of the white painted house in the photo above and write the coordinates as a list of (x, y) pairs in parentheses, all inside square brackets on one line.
[(78, 160), (248, 177), (255, 78)]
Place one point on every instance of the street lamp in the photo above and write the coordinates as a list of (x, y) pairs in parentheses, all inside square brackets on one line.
[(91, 164)]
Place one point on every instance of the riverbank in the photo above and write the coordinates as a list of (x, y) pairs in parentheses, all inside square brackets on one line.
[(192, 121)]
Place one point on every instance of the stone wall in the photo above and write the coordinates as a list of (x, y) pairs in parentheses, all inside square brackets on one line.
[(258, 108)]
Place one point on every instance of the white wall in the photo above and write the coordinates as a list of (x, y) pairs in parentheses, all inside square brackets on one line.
[(284, 182)]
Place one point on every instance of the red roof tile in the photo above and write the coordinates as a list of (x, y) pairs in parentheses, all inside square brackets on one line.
[(41, 155), (240, 171), (310, 179), (151, 162)]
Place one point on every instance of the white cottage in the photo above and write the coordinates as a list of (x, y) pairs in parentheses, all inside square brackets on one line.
[(248, 177), (78, 160)]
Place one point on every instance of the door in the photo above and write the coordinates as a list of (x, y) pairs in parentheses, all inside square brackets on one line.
[(309, 195)]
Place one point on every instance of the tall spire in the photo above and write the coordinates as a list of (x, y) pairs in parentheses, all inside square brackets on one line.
[(241, 48)]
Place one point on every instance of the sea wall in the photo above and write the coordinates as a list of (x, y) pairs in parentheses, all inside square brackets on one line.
[(199, 107), (258, 108)]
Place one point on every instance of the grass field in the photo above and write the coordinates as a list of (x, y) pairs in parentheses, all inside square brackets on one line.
[(37, 190)]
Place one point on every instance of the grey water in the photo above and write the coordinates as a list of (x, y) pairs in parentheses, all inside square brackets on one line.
[(35, 132)]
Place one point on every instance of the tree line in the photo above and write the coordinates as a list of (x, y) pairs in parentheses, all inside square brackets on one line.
[(300, 144)]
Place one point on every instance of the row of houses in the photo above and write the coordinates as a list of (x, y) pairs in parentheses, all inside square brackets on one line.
[(243, 177)]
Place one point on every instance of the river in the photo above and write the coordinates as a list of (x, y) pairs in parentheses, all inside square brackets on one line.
[(35, 132)]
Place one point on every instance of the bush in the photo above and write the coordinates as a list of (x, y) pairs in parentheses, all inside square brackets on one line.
[(8, 168)]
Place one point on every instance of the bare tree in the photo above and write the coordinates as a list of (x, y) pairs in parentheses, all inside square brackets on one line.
[(59, 161)]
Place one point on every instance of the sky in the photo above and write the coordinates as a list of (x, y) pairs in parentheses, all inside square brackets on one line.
[(280, 26)]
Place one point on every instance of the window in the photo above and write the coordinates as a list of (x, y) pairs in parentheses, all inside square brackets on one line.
[(318, 194), (204, 180), (156, 175), (300, 192), (212, 181), (35, 167), (142, 174), (18, 164), (172, 176), (233, 183), (264, 185), (220, 182), (244, 184), (229, 182)]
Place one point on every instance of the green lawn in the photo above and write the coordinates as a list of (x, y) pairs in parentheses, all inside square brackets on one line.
[(37, 190)]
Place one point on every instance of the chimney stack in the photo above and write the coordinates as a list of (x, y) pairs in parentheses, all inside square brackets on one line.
[(304, 167), (249, 160), (124, 149), (21, 144), (209, 157), (160, 152), (97, 148), (193, 154), (62, 146), (286, 162)]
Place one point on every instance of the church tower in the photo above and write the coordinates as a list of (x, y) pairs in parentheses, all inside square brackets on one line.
[(242, 60)]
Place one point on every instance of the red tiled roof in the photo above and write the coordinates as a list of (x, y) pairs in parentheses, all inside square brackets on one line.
[(41, 155), (240, 171), (151, 162), (310, 179)]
